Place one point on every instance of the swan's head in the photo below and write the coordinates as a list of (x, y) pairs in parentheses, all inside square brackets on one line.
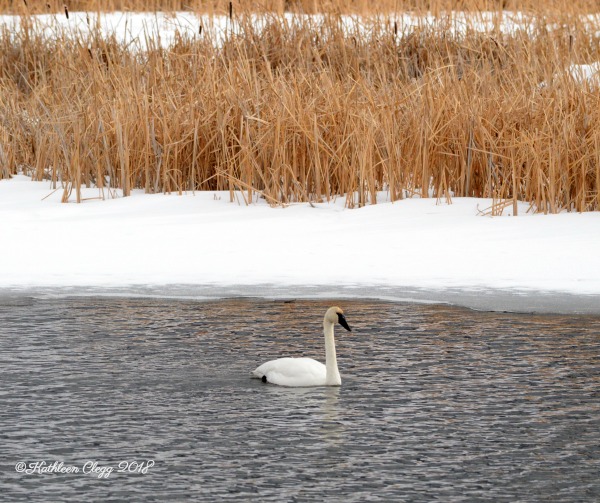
[(336, 315)]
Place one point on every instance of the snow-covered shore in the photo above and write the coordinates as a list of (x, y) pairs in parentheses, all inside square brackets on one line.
[(202, 245), (134, 28)]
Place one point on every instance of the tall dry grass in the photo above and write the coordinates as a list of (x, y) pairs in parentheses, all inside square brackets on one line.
[(308, 112), (362, 7)]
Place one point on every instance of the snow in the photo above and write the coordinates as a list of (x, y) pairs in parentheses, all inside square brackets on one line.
[(136, 29), (203, 239), (586, 73)]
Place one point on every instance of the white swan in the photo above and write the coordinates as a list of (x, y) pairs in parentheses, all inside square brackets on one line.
[(306, 371)]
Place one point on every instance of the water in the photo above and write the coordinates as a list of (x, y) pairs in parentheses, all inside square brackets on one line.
[(436, 403)]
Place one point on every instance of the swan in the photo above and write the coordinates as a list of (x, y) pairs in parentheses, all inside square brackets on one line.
[(306, 371)]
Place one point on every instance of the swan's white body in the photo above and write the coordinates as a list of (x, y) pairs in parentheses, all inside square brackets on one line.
[(294, 372), (306, 371)]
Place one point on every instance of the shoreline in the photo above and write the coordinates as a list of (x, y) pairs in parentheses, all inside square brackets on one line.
[(489, 299), (200, 245)]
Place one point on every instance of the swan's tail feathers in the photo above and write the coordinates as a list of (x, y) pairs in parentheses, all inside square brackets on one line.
[(258, 375)]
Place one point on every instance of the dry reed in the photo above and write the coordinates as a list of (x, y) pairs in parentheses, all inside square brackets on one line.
[(22, 7), (310, 111)]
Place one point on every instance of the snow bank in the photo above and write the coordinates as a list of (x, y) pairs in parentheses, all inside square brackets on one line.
[(203, 239), (135, 29), (586, 73)]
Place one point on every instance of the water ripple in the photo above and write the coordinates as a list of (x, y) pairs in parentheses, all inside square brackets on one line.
[(437, 403)]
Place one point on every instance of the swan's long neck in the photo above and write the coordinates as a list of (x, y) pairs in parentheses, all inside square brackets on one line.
[(333, 374)]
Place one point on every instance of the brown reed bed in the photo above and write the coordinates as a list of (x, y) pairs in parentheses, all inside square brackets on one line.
[(362, 7), (310, 111)]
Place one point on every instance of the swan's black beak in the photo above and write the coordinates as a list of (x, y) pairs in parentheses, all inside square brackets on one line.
[(342, 321)]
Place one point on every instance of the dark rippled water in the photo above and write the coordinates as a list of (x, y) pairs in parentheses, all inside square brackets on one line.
[(437, 403)]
